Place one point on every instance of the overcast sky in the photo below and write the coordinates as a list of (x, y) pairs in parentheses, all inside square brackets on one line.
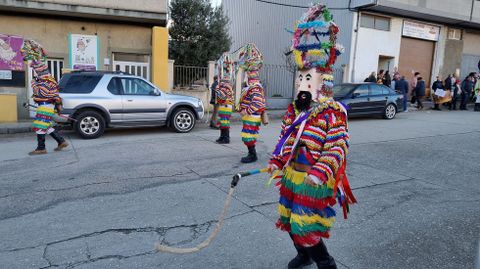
[(216, 2)]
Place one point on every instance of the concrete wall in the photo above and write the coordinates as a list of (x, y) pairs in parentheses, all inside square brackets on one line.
[(371, 44), (159, 6), (476, 12), (453, 56), (201, 93)]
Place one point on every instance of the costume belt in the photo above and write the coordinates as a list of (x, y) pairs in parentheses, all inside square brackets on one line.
[(44, 103), (300, 167)]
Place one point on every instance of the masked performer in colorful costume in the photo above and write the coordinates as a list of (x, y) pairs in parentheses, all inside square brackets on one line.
[(252, 100), (45, 95), (313, 144), (224, 95)]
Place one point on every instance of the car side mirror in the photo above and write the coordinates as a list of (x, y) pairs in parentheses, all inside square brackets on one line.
[(156, 92)]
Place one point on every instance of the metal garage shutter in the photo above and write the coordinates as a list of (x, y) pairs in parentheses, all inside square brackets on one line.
[(416, 54), (469, 64)]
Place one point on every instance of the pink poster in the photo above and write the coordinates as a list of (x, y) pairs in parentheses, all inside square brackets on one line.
[(10, 55)]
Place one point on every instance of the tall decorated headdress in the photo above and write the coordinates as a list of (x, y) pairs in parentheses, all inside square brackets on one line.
[(251, 60), (225, 68), (34, 52), (224, 91), (314, 43), (44, 86)]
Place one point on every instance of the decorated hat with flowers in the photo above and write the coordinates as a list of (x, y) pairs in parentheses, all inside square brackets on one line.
[(225, 67), (314, 42), (250, 58)]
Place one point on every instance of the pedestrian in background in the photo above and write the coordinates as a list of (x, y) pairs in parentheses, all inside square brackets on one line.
[(396, 78), (467, 88), (456, 91), (413, 83), (387, 79), (371, 78), (437, 85), (213, 101), (448, 87), (420, 92), (477, 95), (401, 86), (381, 76)]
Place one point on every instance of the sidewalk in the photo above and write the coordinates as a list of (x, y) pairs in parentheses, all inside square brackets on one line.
[(23, 126)]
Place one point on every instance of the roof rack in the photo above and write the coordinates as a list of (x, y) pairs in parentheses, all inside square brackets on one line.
[(99, 71)]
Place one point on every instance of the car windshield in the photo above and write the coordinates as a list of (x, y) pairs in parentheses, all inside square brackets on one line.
[(342, 90)]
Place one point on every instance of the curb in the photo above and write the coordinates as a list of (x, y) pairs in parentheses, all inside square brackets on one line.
[(15, 129)]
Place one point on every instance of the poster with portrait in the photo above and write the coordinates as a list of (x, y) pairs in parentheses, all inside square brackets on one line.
[(10, 55), (84, 52)]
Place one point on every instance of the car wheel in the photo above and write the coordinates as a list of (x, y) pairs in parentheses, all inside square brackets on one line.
[(390, 112), (90, 124), (183, 120)]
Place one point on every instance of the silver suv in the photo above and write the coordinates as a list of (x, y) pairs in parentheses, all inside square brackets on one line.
[(98, 100)]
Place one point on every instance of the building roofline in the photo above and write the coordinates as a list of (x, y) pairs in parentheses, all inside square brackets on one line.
[(422, 16), (84, 12)]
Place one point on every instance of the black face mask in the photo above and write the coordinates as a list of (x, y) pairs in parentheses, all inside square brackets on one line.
[(303, 100)]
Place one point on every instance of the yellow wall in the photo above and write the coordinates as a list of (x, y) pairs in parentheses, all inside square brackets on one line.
[(160, 57), (8, 107)]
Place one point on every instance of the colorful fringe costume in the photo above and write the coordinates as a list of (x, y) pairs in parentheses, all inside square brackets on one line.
[(252, 100), (224, 97), (305, 211), (224, 91), (45, 95), (313, 144)]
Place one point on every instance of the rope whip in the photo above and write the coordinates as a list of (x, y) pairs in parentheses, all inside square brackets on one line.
[(221, 219)]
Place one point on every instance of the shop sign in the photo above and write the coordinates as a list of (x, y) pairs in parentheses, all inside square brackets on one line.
[(421, 30), (84, 51), (10, 56)]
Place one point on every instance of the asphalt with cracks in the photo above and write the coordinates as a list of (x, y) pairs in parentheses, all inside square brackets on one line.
[(104, 203)]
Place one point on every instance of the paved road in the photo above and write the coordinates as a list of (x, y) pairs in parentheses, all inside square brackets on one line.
[(104, 203)]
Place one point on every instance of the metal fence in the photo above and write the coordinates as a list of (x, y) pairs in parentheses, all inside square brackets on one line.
[(278, 81), (190, 76)]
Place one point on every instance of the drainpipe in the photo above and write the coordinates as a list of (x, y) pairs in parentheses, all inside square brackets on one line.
[(471, 10)]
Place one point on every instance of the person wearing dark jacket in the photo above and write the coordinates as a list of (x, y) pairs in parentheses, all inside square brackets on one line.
[(456, 91), (448, 87), (420, 92), (213, 101), (401, 86), (387, 79), (371, 78), (437, 85), (467, 88)]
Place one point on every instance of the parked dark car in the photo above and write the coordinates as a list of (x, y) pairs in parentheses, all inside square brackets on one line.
[(363, 99)]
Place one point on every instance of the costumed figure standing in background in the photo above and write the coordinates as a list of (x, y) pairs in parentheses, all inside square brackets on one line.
[(45, 95), (313, 144), (252, 99), (224, 94)]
